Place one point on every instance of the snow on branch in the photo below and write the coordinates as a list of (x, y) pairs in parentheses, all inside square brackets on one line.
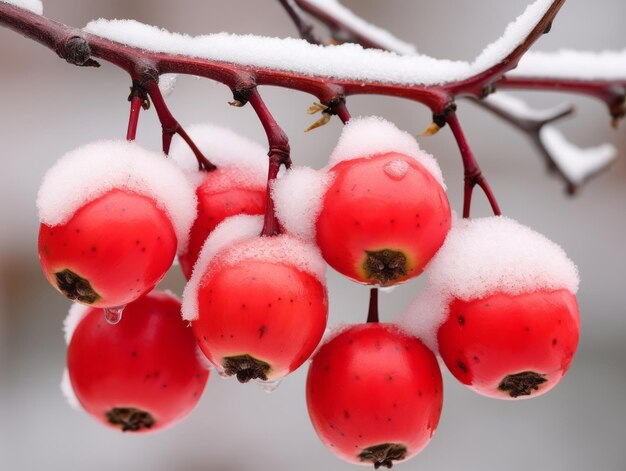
[(574, 164), (338, 62), (581, 65), (343, 22), (36, 6)]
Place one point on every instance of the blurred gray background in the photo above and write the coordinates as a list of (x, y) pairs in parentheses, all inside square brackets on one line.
[(48, 107)]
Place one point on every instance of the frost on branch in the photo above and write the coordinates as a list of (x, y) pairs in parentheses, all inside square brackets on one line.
[(90, 171), (167, 83), (36, 6), (340, 62), (481, 257)]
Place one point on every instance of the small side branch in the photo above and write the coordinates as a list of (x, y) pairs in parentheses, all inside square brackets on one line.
[(278, 154), (612, 93), (170, 127), (473, 174), (303, 25)]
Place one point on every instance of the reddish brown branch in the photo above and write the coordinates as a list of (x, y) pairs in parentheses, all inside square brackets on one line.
[(170, 126), (305, 27), (611, 92), (473, 174), (278, 154), (136, 62), (136, 102)]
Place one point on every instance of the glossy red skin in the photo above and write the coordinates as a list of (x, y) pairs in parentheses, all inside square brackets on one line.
[(148, 361), (213, 208), (120, 242), (373, 384), (484, 340), (365, 209), (272, 312)]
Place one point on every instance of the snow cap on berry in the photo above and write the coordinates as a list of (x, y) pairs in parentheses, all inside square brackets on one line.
[(86, 173), (236, 240), (244, 160), (68, 391), (75, 315), (298, 198), (481, 257), (370, 136), (230, 231)]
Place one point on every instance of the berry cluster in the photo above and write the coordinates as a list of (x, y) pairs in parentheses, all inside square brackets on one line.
[(499, 304)]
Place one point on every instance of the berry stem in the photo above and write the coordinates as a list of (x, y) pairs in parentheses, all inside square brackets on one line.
[(473, 174), (342, 111), (136, 102), (170, 127), (278, 154), (372, 313)]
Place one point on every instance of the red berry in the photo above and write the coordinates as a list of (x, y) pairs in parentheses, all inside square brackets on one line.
[(260, 316), (217, 200), (374, 394), (141, 374), (382, 219), (112, 250), (511, 346)]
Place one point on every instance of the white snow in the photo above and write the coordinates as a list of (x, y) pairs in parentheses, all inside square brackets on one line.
[(341, 62), (68, 391), (298, 199), (576, 163), (90, 171), (76, 314), (167, 83), (357, 24), (481, 257), (237, 240), (520, 109), (371, 135), (245, 161), (282, 249), (580, 65), (231, 231), (36, 6)]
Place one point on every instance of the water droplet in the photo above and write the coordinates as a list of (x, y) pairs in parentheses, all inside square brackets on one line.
[(268, 386), (396, 169), (113, 315)]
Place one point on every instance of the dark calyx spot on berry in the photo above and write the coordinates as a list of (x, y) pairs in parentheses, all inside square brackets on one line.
[(521, 384), (75, 287), (130, 419), (383, 455), (245, 367), (385, 266)]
